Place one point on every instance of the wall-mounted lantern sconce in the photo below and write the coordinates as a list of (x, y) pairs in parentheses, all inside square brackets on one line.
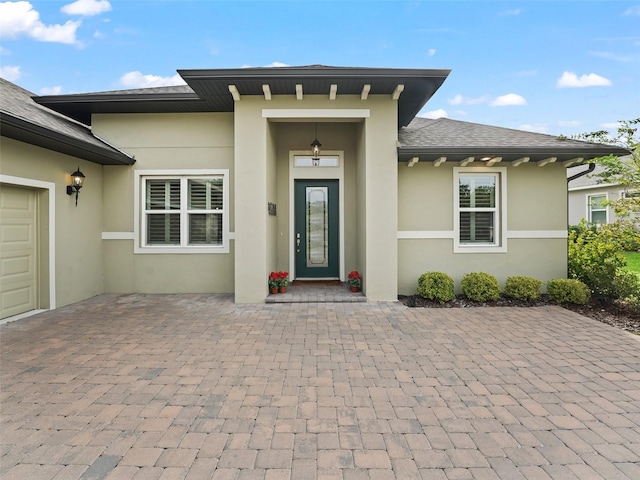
[(315, 146), (77, 179)]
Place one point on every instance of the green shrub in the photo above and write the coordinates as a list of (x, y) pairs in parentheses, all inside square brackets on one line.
[(480, 287), (522, 288), (595, 259), (436, 286), (568, 290)]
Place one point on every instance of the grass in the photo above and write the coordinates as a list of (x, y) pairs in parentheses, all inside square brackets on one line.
[(633, 261)]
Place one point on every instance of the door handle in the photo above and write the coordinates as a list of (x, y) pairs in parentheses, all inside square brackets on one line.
[(298, 242)]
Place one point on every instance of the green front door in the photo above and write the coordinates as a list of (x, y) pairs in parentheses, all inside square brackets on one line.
[(316, 235)]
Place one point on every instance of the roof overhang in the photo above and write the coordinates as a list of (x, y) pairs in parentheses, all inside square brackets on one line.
[(27, 132), (514, 155), (412, 88), (216, 90)]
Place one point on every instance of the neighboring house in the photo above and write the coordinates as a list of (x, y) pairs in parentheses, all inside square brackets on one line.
[(588, 199), (209, 186)]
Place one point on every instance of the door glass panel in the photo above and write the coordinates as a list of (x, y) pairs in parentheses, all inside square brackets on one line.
[(317, 226)]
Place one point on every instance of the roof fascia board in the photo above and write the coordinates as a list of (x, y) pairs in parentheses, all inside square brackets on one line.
[(590, 150), (104, 156), (302, 72), (114, 97)]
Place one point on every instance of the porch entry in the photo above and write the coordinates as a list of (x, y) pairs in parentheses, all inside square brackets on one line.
[(317, 231)]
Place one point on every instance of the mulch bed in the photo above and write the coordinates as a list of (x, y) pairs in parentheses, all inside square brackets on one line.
[(618, 314)]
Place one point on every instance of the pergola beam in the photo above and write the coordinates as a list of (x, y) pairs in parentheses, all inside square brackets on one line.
[(520, 161), (413, 161), (573, 161), (234, 93), (547, 161), (333, 91), (396, 93), (267, 91), (299, 94), (467, 161), (366, 88), (493, 161), (439, 161)]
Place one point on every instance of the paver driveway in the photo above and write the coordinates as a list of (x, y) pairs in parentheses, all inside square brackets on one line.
[(193, 386)]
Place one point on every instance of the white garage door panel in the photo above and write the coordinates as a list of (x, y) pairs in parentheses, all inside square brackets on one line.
[(17, 250)]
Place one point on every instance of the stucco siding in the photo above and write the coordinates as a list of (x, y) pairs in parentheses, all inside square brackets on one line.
[(163, 142), (579, 200), (77, 230), (535, 224)]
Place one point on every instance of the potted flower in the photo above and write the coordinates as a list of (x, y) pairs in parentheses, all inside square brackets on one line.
[(283, 281), (274, 282), (355, 280)]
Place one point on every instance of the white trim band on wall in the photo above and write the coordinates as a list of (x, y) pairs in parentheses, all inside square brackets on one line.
[(132, 236), (118, 236), (521, 234)]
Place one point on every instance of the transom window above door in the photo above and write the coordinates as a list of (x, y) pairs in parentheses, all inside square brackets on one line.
[(303, 161)]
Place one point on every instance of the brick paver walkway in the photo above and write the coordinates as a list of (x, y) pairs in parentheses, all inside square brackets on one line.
[(195, 387)]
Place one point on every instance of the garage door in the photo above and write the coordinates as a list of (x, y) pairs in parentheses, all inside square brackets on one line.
[(18, 247)]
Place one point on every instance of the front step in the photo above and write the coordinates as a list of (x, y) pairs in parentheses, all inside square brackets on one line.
[(317, 292)]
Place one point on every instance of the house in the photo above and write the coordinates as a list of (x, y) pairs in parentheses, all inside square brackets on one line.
[(209, 186), (588, 198)]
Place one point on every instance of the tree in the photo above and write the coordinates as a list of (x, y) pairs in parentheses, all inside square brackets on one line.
[(623, 171)]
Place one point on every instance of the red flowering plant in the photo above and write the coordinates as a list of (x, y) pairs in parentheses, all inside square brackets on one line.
[(273, 280), (278, 279), (354, 279)]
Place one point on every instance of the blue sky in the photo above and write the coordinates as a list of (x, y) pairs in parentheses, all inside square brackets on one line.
[(557, 67)]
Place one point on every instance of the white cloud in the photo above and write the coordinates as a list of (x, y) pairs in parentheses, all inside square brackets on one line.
[(569, 123), (462, 100), (57, 90), (512, 12), (86, 8), (509, 99), (11, 73), (439, 113), (431, 52), (19, 18), (4, 51), (534, 127), (571, 80), (278, 64), (635, 10), (138, 80)]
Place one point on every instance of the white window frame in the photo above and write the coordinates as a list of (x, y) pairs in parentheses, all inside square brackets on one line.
[(605, 208), (139, 226), (499, 245)]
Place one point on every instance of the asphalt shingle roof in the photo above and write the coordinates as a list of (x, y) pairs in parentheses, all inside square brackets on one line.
[(456, 139), (23, 119)]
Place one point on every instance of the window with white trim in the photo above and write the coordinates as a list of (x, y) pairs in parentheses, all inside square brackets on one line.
[(597, 208), (479, 210), (183, 213)]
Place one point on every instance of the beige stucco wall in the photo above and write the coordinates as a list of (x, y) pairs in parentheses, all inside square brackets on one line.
[(536, 206), (369, 139), (77, 235), (163, 142)]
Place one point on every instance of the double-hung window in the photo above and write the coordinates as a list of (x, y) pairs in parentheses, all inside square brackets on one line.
[(479, 210), (182, 212), (597, 208)]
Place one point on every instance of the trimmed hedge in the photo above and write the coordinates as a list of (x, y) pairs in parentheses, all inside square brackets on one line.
[(436, 286), (568, 290), (522, 288), (480, 287)]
